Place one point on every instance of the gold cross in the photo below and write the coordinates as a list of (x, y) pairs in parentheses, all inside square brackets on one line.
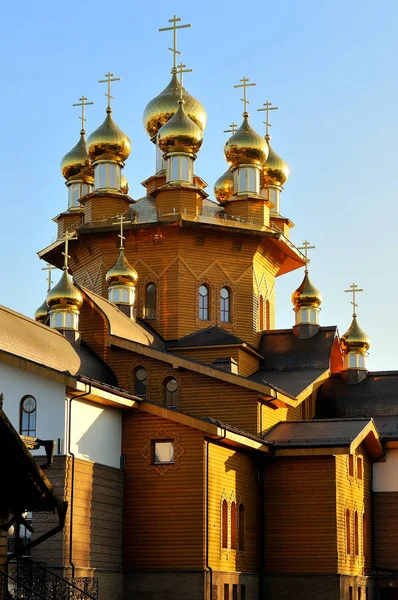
[(180, 69), (354, 289), (306, 246), (244, 85), (174, 28), (83, 103), (121, 219), (49, 268), (109, 80), (67, 238), (233, 127), (267, 109)]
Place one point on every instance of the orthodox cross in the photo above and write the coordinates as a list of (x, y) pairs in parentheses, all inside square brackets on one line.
[(306, 246), (267, 107), (174, 28), (244, 85), (109, 79), (67, 238), (233, 127), (83, 104), (354, 289), (120, 220), (49, 268), (181, 70)]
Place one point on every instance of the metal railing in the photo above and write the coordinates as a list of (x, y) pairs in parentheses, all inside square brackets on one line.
[(13, 589)]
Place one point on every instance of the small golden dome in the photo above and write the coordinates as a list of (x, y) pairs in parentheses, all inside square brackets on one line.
[(246, 146), (124, 185), (122, 273), (306, 295), (180, 133), (224, 186), (275, 171), (76, 164), (64, 295), (42, 313), (108, 142), (355, 339), (159, 110)]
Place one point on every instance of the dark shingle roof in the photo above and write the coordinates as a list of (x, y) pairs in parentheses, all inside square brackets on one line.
[(211, 336), (387, 427), (329, 432), (292, 382)]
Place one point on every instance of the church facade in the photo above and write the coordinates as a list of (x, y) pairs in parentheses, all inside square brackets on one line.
[(202, 452)]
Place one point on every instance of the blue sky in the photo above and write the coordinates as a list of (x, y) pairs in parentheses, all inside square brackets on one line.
[(330, 66)]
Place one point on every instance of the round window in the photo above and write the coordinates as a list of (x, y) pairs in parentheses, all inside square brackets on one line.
[(224, 293), (203, 290), (141, 374), (29, 404), (171, 385)]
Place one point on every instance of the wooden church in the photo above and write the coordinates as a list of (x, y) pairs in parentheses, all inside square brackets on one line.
[(202, 453)]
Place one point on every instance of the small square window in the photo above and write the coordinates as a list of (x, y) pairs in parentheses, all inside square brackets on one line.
[(163, 452)]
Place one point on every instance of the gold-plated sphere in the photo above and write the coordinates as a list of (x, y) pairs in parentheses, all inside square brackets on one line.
[(108, 142), (180, 133), (159, 110), (124, 185), (122, 273), (355, 339), (76, 164), (224, 186), (64, 295), (275, 171), (41, 313), (246, 146), (306, 295)]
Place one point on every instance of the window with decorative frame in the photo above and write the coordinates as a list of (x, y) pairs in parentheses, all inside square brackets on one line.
[(150, 301), (28, 416), (224, 524), (233, 525), (170, 392), (140, 381), (225, 305), (204, 302)]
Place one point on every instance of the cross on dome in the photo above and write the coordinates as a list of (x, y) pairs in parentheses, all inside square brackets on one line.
[(354, 289), (67, 238), (49, 268), (306, 246), (120, 220), (267, 107), (174, 28), (244, 85), (110, 78), (83, 104), (181, 70), (233, 127)]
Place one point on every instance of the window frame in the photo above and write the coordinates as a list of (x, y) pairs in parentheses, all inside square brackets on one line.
[(150, 309), (226, 305), (204, 303), (153, 452), (174, 395), (224, 524), (26, 431), (139, 382)]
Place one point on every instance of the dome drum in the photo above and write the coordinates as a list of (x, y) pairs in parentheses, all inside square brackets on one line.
[(108, 175), (64, 319), (246, 179), (121, 294), (179, 168), (76, 190)]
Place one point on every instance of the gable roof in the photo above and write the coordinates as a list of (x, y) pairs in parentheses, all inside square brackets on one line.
[(293, 382)]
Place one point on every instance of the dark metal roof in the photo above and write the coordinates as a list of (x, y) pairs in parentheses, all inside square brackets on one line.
[(375, 395), (331, 432), (292, 382), (211, 336), (387, 427), (93, 367)]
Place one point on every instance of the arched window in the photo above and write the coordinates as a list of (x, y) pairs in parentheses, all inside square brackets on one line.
[(150, 301), (261, 312), (27, 416), (241, 527), (170, 392), (225, 305), (139, 382), (204, 303), (356, 536), (364, 549), (224, 518), (348, 531), (233, 526)]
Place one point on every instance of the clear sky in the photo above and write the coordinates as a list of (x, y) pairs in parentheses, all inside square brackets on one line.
[(330, 66)]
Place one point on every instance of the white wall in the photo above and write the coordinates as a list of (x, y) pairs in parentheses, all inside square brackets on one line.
[(385, 474), (96, 433)]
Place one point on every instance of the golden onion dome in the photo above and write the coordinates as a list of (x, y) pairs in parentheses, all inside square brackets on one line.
[(76, 164), (355, 339), (180, 133), (224, 186), (160, 110), (41, 313), (306, 295), (108, 142), (64, 295), (124, 185), (122, 273), (275, 171), (246, 146)]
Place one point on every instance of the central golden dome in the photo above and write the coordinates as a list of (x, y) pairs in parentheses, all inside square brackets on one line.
[(122, 273), (306, 295), (224, 187), (76, 164), (246, 146), (355, 339), (180, 133), (64, 295), (275, 171), (159, 110), (109, 142)]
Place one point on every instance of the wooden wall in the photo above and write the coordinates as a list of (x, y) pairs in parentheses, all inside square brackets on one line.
[(247, 362)]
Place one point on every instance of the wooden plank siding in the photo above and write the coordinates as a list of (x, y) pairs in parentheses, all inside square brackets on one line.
[(233, 476), (163, 514), (300, 515), (268, 417), (385, 517)]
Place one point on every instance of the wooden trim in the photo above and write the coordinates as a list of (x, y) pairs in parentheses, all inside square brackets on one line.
[(313, 386), (41, 370)]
